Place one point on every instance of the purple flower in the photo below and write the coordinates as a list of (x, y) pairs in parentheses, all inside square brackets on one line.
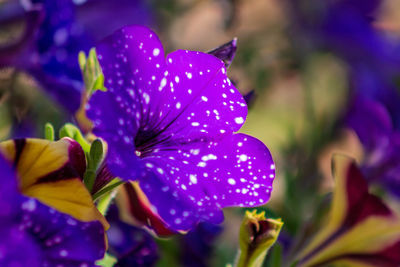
[(360, 228), (170, 123), (197, 245), (374, 126), (132, 246), (345, 28), (56, 31), (34, 234)]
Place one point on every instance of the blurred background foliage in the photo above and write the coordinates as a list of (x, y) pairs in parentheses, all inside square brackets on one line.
[(301, 93)]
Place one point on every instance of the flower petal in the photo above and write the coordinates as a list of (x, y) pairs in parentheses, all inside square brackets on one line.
[(132, 246), (63, 239), (52, 173), (193, 181), (360, 228), (8, 191), (135, 208), (12, 242)]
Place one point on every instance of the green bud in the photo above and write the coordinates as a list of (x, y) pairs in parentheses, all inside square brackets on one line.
[(257, 235), (91, 71), (88, 179), (71, 131), (96, 154), (94, 158)]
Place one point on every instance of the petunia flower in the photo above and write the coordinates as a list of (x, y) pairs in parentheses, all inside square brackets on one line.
[(34, 234), (381, 140), (132, 246), (361, 229), (52, 172), (198, 245), (347, 29), (55, 32), (170, 125)]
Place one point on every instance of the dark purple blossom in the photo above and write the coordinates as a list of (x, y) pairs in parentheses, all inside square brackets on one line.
[(197, 245), (373, 125), (132, 246), (34, 234), (345, 28), (170, 123), (48, 49), (56, 31)]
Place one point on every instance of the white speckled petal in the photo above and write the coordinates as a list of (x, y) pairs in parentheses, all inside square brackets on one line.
[(205, 177)]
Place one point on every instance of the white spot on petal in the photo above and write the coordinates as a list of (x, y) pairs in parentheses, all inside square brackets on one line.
[(156, 52), (193, 179), (146, 98), (231, 181), (239, 120)]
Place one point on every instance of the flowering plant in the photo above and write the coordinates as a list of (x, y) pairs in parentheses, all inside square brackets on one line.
[(163, 156)]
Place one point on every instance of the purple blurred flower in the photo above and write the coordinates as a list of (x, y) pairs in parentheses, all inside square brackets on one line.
[(170, 124), (372, 82), (56, 31), (373, 124), (131, 245), (34, 234), (345, 28), (197, 245)]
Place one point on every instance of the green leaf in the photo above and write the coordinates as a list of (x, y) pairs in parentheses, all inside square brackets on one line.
[(111, 185), (105, 196), (107, 261)]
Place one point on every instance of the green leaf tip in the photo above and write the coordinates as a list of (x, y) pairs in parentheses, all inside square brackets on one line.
[(257, 234)]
